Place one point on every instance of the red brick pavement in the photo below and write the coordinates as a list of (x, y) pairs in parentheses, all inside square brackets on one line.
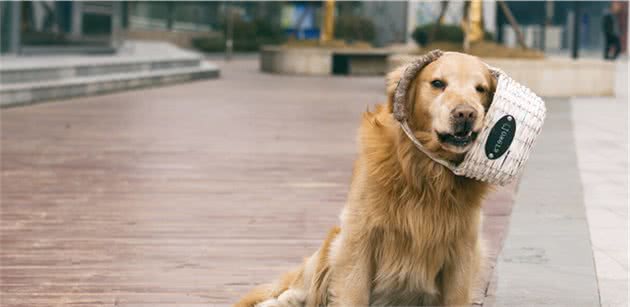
[(182, 195)]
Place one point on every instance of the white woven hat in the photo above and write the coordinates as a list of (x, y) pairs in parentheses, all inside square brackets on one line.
[(511, 125)]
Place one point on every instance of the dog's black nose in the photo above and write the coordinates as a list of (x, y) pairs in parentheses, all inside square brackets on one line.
[(463, 112), (463, 118)]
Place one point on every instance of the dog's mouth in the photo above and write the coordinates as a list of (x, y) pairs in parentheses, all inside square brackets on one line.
[(460, 140)]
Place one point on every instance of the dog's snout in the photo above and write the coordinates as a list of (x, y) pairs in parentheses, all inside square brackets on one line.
[(464, 112), (463, 118)]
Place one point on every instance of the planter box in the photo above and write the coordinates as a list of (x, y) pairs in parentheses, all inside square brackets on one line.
[(323, 62), (296, 61)]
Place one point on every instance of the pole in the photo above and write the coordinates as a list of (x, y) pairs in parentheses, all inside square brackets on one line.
[(575, 48), (15, 21), (412, 7), (328, 25), (229, 35), (543, 26), (170, 19)]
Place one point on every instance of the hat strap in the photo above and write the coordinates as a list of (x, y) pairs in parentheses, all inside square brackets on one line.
[(405, 127)]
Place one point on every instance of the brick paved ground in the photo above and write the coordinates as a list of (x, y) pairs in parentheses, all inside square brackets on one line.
[(182, 195)]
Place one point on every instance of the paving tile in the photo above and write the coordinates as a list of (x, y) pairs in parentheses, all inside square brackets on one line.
[(614, 293)]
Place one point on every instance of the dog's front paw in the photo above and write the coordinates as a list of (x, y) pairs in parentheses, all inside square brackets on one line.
[(272, 302), (288, 298), (292, 298)]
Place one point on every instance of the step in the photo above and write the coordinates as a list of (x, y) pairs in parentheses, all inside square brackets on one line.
[(31, 70), (30, 92)]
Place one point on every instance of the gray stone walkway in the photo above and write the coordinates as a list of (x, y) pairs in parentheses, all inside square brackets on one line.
[(547, 258), (568, 239), (601, 138), (601, 135)]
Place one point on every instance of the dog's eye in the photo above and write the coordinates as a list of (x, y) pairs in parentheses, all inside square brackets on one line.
[(438, 84), (480, 89)]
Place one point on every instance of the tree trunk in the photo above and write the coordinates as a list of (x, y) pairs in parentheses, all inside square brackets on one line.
[(515, 27), (466, 26), (438, 22)]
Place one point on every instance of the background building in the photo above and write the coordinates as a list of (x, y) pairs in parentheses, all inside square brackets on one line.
[(558, 18), (60, 26), (100, 26)]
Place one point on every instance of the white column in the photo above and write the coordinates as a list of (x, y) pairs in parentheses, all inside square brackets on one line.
[(14, 27), (116, 36), (412, 7), (77, 14), (490, 16), (628, 32)]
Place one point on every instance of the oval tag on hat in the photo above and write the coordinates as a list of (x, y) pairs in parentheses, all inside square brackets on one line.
[(500, 137)]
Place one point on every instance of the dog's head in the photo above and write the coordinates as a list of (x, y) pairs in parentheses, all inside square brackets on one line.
[(446, 101)]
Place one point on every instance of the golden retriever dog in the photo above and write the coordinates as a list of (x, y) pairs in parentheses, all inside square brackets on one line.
[(410, 230)]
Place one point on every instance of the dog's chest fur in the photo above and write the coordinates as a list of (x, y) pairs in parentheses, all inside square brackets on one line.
[(410, 216), (411, 249)]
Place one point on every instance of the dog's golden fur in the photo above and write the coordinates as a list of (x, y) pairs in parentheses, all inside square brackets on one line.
[(410, 229)]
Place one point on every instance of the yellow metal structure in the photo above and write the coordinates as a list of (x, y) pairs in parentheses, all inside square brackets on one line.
[(328, 23), (475, 27)]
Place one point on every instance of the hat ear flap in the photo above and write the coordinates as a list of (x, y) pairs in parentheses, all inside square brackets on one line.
[(403, 78), (391, 83)]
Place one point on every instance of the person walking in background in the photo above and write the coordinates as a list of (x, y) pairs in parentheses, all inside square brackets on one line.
[(611, 32)]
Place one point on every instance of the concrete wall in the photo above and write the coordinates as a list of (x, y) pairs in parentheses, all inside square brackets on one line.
[(552, 77), (562, 77)]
